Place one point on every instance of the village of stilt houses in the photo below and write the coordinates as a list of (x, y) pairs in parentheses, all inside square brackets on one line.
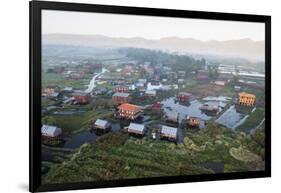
[(134, 113)]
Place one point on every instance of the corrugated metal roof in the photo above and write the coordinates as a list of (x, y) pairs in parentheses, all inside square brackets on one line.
[(49, 130), (172, 114), (55, 94), (139, 84), (101, 122), (136, 127), (129, 107), (152, 92), (185, 93), (169, 130), (121, 94), (213, 104)]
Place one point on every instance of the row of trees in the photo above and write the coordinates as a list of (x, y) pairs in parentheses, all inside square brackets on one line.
[(176, 62)]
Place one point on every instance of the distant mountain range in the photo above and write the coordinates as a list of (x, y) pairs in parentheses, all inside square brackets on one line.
[(243, 48)]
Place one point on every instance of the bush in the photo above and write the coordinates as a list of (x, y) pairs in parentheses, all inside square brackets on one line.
[(48, 120), (111, 140)]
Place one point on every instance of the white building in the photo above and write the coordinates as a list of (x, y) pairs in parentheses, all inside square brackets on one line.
[(154, 87), (150, 93), (136, 128), (180, 81), (237, 88), (102, 124), (220, 83), (68, 89), (132, 87), (169, 132), (50, 131)]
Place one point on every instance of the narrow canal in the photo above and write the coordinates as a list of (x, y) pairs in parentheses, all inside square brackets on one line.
[(92, 83)]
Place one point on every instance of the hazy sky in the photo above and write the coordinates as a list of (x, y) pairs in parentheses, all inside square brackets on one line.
[(117, 25)]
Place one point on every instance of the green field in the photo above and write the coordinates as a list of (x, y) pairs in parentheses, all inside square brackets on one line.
[(54, 79)]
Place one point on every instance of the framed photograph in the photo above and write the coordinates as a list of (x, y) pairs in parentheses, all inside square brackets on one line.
[(126, 96)]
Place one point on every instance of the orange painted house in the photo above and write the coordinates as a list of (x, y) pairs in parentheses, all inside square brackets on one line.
[(247, 99), (193, 121)]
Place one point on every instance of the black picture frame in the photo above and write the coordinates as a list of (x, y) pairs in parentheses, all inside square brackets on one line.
[(35, 93)]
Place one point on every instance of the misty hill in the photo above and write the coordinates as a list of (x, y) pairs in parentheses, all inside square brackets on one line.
[(243, 48)]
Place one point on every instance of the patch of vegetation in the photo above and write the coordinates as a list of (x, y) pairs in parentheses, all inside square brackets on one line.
[(259, 136), (252, 121), (120, 156), (101, 103), (116, 156), (59, 79), (228, 90), (253, 161), (77, 122), (52, 142), (243, 154), (243, 109), (48, 102), (176, 62), (208, 89)]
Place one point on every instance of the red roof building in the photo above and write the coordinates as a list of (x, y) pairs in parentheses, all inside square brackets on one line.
[(129, 111)]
